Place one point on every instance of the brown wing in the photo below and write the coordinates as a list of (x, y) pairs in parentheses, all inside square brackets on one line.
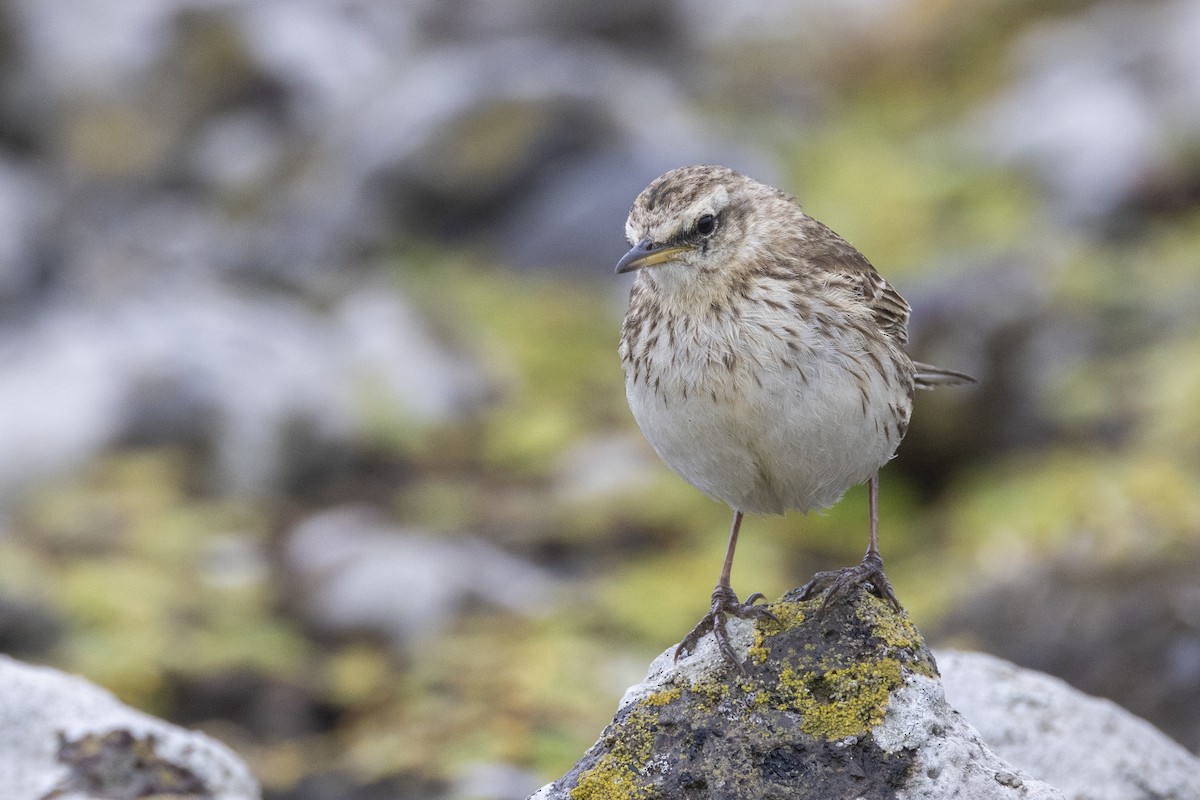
[(888, 307), (838, 256)]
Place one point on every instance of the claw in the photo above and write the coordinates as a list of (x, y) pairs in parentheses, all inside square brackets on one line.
[(725, 604), (838, 584)]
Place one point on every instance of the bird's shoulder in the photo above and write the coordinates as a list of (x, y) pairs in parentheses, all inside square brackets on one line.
[(827, 253)]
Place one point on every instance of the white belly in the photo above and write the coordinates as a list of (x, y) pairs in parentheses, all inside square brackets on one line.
[(792, 439)]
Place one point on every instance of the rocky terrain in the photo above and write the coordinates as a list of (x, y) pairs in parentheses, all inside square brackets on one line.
[(314, 433)]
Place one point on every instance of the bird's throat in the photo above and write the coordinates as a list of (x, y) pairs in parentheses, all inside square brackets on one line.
[(687, 289)]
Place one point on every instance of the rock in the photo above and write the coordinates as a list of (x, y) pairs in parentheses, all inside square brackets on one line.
[(493, 781), (358, 572), (1091, 110), (1088, 747), (252, 377), (1126, 628), (62, 737), (600, 468), (29, 627), (26, 208), (844, 704)]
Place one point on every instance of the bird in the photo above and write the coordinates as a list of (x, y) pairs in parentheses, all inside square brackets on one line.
[(764, 362)]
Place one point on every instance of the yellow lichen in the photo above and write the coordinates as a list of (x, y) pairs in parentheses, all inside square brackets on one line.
[(663, 697), (608, 781), (618, 773), (712, 693), (837, 703), (788, 614), (895, 629)]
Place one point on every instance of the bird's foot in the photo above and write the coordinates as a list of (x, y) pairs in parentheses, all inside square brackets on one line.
[(725, 604), (838, 583)]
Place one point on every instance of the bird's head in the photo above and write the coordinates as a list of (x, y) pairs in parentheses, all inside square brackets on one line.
[(699, 220)]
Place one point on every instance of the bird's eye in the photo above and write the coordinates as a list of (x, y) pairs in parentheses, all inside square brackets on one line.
[(706, 225)]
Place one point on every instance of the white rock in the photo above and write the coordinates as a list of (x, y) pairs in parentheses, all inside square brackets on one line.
[(188, 357), (952, 761), (1101, 100), (602, 467), (1088, 747), (360, 572), (41, 708)]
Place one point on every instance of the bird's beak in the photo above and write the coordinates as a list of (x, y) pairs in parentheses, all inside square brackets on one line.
[(645, 254)]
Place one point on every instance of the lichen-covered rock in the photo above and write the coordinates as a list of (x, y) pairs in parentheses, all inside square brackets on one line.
[(844, 703), (63, 737)]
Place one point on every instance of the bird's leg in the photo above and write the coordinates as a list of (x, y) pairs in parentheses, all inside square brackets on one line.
[(839, 583), (872, 563), (724, 588), (724, 605)]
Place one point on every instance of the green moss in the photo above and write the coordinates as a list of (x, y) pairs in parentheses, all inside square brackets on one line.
[(1127, 503), (937, 203), (153, 582), (840, 690), (837, 703), (606, 782)]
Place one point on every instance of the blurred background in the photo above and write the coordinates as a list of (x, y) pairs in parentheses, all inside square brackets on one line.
[(312, 430)]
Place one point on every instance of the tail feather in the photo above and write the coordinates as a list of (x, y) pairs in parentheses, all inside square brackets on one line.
[(930, 377)]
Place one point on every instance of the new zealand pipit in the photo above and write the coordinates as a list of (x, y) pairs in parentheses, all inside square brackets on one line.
[(763, 361)]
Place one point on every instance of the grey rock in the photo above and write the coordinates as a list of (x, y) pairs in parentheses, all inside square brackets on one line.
[(493, 781), (27, 206), (530, 145), (63, 737), (1088, 747), (358, 572), (159, 340), (983, 729), (951, 759), (1103, 102), (601, 468)]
